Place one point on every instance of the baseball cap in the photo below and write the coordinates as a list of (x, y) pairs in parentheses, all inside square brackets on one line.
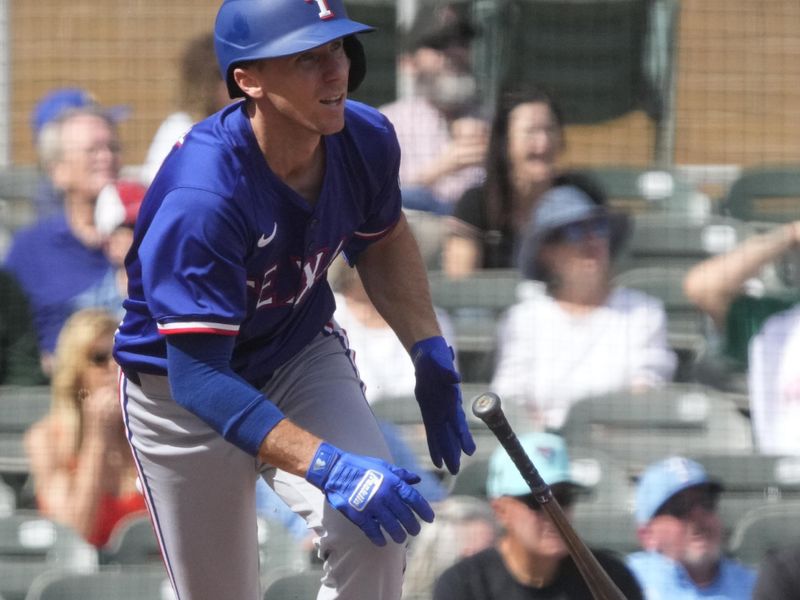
[(557, 207), (547, 451), (662, 480), (55, 103)]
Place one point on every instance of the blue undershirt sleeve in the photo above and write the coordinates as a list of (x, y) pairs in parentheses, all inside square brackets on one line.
[(202, 381)]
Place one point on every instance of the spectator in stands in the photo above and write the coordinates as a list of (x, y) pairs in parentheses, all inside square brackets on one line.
[(779, 574), (82, 469), (381, 359), (527, 138), (760, 334), (576, 335), (59, 261), (441, 136), (680, 533), (19, 353), (201, 93), (48, 198), (530, 560), (464, 526)]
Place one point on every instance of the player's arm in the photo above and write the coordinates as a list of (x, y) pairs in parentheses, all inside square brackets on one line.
[(394, 277), (713, 284), (370, 492)]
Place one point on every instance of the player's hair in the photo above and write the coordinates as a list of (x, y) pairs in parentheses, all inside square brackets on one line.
[(440, 544), (50, 143), (75, 340), (200, 77), (499, 192)]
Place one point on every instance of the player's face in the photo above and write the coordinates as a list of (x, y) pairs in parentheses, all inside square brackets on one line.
[(305, 91), (534, 142), (688, 528), (90, 157)]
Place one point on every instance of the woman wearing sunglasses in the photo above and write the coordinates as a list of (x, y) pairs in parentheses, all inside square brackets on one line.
[(83, 473), (576, 335)]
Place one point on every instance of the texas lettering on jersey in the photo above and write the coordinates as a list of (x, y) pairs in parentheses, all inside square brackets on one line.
[(311, 270)]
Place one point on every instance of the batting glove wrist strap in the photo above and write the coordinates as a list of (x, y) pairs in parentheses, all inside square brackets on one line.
[(370, 492), (439, 399)]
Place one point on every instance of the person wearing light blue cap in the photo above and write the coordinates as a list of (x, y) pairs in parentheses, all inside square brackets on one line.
[(680, 532), (530, 560)]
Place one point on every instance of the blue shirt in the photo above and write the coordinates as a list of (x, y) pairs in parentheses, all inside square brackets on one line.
[(59, 275), (223, 246), (662, 578)]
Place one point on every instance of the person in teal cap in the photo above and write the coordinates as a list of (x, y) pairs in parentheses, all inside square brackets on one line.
[(530, 559), (680, 532)]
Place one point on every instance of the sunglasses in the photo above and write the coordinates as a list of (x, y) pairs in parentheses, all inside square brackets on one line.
[(574, 233), (564, 497), (682, 505), (100, 359)]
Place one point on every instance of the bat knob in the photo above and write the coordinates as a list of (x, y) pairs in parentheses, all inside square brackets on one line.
[(486, 405)]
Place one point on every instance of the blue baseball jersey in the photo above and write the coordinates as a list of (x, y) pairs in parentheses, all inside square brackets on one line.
[(223, 246)]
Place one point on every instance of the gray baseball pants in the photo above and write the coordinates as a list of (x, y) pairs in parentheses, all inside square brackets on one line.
[(200, 489)]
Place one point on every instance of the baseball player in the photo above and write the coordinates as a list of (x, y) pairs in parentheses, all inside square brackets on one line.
[(232, 366)]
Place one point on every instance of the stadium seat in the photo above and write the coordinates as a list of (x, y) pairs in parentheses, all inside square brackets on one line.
[(663, 239), (132, 542), (751, 480), (474, 305), (17, 187), (20, 407), (637, 190), (638, 428), (31, 545), (765, 194), (106, 584), (295, 586), (764, 528)]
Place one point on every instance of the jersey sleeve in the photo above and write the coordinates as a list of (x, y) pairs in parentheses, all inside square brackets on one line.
[(383, 211), (193, 264)]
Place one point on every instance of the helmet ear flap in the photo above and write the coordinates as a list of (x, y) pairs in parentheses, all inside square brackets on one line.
[(358, 61)]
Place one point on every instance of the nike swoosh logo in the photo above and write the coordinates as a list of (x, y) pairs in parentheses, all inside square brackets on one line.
[(263, 241)]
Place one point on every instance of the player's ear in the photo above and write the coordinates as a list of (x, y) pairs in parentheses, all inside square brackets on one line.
[(246, 78)]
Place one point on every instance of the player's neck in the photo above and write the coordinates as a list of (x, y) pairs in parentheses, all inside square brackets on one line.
[(296, 157)]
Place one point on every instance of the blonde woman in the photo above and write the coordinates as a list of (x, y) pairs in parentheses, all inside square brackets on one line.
[(82, 468)]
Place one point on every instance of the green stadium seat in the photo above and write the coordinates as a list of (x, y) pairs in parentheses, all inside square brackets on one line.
[(31, 545), (765, 194), (381, 48), (638, 428), (106, 584), (771, 525)]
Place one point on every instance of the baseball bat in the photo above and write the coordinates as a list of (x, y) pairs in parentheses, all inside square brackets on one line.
[(488, 409)]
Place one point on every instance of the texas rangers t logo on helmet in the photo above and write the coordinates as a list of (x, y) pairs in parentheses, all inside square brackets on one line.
[(324, 11)]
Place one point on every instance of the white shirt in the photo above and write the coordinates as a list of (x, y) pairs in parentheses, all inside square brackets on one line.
[(383, 363), (548, 359), (170, 131), (774, 384), (423, 135)]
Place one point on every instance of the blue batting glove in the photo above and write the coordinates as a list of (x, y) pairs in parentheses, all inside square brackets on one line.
[(439, 398), (370, 492)]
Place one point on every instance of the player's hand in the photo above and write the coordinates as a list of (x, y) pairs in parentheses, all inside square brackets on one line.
[(370, 492), (439, 398)]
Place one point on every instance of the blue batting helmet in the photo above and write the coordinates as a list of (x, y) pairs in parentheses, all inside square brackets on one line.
[(252, 29)]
